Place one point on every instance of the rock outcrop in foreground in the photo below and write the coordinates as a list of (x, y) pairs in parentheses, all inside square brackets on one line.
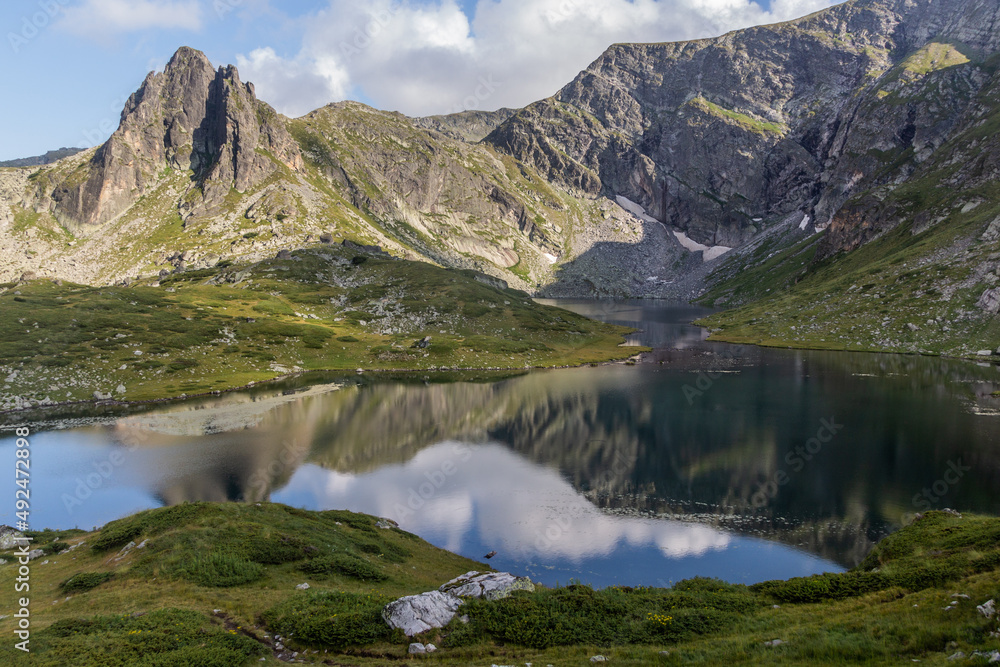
[(415, 614)]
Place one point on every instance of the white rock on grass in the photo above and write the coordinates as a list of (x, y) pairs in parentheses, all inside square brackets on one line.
[(9, 538), (489, 585), (414, 614), (987, 609), (992, 656), (418, 613)]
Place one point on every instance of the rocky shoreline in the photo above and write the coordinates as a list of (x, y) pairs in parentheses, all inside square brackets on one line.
[(110, 402)]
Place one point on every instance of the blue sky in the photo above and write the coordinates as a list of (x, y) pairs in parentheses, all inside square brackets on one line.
[(67, 66)]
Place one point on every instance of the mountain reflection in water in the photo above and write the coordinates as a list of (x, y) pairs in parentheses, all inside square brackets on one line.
[(709, 463)]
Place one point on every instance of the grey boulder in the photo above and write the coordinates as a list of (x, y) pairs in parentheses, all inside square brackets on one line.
[(489, 585), (9, 538), (414, 614)]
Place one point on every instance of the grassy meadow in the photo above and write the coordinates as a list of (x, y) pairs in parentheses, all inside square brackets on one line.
[(328, 308), (215, 584)]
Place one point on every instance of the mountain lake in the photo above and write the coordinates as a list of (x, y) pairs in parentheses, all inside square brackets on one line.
[(703, 459)]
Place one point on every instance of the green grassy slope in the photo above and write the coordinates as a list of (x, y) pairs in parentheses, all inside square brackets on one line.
[(214, 584), (329, 308), (905, 261), (913, 288), (904, 292)]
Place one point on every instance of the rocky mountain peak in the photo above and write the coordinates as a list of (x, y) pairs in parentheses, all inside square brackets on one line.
[(715, 136), (189, 117)]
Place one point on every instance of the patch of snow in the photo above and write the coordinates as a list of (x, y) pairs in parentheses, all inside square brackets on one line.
[(634, 208), (689, 243), (709, 253), (804, 223), (552, 258)]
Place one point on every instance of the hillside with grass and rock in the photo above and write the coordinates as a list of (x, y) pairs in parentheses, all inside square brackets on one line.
[(837, 170), (335, 308), (831, 179), (241, 584)]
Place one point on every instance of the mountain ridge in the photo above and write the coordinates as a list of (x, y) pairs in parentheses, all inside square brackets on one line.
[(797, 129), (48, 157)]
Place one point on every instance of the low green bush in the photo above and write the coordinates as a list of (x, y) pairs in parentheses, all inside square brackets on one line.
[(54, 547), (333, 619), (344, 564), (612, 616), (117, 534), (82, 582), (222, 570), (275, 549), (162, 638)]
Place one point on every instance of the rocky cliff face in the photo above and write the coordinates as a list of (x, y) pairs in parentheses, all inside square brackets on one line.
[(471, 126), (720, 137), (441, 198), (191, 118), (200, 171)]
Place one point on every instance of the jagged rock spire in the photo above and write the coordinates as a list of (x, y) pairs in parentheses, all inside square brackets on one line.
[(188, 117)]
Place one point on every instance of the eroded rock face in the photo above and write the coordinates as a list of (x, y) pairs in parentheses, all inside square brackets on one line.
[(714, 135), (489, 585), (188, 117), (414, 614)]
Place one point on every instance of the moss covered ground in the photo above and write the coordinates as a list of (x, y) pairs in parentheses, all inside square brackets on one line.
[(215, 584), (912, 290), (329, 308)]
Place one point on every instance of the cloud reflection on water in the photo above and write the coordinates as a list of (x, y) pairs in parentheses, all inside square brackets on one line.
[(521, 509)]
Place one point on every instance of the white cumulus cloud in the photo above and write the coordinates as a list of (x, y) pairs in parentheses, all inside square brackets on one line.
[(428, 57), (296, 86), (100, 17)]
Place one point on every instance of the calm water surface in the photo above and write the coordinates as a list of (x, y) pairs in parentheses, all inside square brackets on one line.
[(706, 459)]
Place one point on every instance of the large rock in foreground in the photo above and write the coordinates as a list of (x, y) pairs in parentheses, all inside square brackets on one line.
[(414, 614), (489, 585)]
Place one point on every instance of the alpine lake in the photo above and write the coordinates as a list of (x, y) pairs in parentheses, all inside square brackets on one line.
[(703, 459)]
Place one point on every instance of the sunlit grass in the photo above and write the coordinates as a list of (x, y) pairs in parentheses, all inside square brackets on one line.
[(905, 602)]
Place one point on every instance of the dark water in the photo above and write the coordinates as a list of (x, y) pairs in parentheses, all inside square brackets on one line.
[(707, 459)]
